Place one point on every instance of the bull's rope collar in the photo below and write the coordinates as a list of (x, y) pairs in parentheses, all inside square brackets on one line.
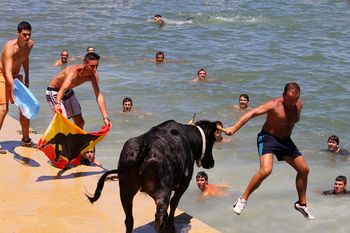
[(199, 161)]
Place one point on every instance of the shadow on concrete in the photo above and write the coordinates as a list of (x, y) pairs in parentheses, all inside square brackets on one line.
[(59, 176), (182, 225), (10, 146)]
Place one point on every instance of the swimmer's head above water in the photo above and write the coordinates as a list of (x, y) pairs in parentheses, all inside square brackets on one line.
[(160, 57), (158, 19)]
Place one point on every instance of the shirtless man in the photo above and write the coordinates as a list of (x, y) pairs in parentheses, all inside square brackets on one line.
[(127, 104), (339, 187), (64, 58), (15, 54), (61, 97), (159, 57), (243, 102), (201, 75), (89, 158), (207, 189), (158, 19), (333, 146), (282, 114), (90, 49)]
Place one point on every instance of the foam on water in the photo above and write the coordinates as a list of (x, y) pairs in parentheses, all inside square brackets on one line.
[(239, 19)]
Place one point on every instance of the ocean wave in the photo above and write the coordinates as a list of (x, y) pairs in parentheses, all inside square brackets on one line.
[(239, 19), (176, 22)]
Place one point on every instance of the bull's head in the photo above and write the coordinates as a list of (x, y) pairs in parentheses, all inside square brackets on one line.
[(209, 129)]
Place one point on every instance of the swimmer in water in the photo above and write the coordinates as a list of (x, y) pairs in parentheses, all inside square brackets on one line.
[(243, 103), (127, 104), (201, 75), (339, 187), (209, 190), (64, 58), (158, 19)]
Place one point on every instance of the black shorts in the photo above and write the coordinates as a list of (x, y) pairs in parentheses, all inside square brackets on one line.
[(267, 143)]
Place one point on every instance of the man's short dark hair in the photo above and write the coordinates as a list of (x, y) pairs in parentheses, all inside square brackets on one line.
[(127, 99), (341, 178), (334, 138), (202, 174), (201, 70), (158, 16), (64, 50), (159, 53), (90, 47), (91, 56), (244, 96), (291, 86), (24, 25)]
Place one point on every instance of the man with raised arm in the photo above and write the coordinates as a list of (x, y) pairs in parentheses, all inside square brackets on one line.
[(282, 113)]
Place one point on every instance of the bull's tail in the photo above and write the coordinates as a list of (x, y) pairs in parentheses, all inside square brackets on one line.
[(100, 185)]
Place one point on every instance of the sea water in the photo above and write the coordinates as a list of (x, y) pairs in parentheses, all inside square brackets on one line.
[(252, 47)]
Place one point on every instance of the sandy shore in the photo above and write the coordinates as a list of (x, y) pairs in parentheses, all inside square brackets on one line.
[(33, 198)]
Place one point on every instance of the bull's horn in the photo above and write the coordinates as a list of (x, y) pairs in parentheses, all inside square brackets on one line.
[(220, 128), (191, 122)]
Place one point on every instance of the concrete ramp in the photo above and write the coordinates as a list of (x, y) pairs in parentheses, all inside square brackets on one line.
[(37, 197)]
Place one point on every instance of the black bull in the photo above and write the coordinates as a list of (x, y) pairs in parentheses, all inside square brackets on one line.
[(159, 162)]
